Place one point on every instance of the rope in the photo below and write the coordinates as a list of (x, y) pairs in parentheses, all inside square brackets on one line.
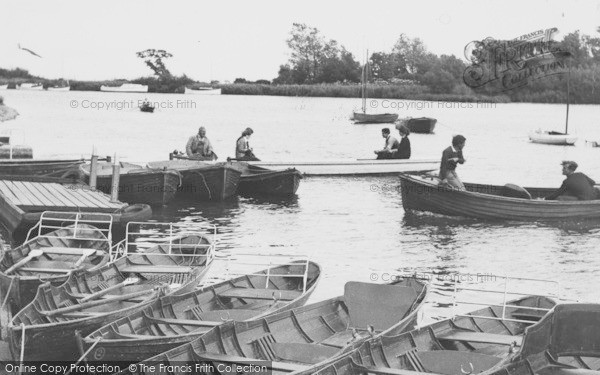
[(205, 184), (12, 280)]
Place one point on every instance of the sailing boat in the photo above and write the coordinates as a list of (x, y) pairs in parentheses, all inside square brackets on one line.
[(370, 118), (554, 137)]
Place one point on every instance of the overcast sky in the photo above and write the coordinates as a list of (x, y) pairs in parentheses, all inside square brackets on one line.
[(228, 39)]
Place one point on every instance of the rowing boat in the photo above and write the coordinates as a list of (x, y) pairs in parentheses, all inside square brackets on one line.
[(290, 340), (374, 118), (475, 343), (175, 320), (136, 183), (491, 202), (52, 256), (566, 341), (423, 125), (40, 167), (353, 167), (261, 181), (90, 300), (212, 181)]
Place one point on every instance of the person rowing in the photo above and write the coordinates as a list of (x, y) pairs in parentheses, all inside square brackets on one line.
[(451, 157), (577, 186), (243, 151), (199, 147)]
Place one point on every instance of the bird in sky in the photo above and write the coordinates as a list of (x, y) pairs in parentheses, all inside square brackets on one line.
[(28, 50)]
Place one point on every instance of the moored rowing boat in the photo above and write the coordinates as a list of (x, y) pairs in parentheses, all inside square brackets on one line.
[(353, 167), (491, 202), (175, 320), (261, 181)]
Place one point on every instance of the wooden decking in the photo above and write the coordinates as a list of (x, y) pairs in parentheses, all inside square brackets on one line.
[(46, 196)]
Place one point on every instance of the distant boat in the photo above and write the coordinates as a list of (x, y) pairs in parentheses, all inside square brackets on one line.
[(423, 125), (147, 107), (370, 118), (30, 86), (60, 88), (3, 87), (126, 87), (203, 91), (554, 137)]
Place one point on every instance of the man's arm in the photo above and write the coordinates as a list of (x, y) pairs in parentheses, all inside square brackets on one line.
[(444, 163), (188, 147), (209, 148), (557, 193), (461, 159)]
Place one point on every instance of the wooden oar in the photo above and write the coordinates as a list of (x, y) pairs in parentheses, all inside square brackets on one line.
[(86, 305), (100, 293), (86, 253), (32, 254)]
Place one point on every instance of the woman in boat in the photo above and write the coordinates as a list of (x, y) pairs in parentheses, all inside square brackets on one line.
[(451, 157), (199, 147), (243, 151), (403, 151)]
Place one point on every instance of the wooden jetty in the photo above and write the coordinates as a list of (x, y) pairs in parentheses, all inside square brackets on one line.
[(22, 202)]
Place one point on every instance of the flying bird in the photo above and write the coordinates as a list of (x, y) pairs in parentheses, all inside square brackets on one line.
[(28, 50)]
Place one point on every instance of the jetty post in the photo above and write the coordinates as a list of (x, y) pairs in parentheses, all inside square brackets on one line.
[(116, 175), (93, 169)]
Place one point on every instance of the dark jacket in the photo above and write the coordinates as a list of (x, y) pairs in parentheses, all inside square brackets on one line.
[(449, 165), (403, 151), (577, 185)]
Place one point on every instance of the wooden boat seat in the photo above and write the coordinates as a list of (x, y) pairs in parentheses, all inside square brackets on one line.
[(248, 293), (481, 337), (449, 362), (393, 303), (229, 314), (182, 322), (303, 352), (83, 314), (387, 371), (156, 269), (70, 251), (275, 365), (106, 296), (339, 339), (44, 270)]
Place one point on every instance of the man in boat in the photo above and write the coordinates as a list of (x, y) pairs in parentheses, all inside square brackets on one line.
[(198, 146), (576, 187), (390, 146), (243, 151), (451, 157)]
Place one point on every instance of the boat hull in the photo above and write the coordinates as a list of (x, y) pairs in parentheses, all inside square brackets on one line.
[(210, 91), (153, 187), (33, 167), (374, 118), (125, 88), (485, 202), (66, 88), (30, 87), (552, 139), (424, 125), (262, 181), (204, 181), (360, 167)]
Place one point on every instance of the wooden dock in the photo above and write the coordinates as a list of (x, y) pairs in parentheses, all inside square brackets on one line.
[(21, 202)]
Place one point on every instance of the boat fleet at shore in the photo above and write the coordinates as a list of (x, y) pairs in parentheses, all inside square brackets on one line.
[(78, 298), (125, 87)]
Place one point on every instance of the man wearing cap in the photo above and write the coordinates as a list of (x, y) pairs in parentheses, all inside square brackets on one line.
[(577, 186), (198, 146)]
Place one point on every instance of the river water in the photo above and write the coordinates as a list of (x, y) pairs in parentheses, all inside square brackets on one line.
[(354, 227)]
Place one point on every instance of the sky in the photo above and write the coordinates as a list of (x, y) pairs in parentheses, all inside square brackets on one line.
[(96, 40)]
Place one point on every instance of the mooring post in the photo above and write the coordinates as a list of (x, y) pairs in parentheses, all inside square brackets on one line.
[(114, 191), (93, 169)]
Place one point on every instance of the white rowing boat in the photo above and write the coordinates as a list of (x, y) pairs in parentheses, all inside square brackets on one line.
[(356, 167), (126, 87), (203, 91)]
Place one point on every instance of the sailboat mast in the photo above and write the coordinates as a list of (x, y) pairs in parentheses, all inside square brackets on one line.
[(364, 79), (568, 94)]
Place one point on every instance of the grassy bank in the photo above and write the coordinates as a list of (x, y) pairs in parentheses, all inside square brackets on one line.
[(408, 92)]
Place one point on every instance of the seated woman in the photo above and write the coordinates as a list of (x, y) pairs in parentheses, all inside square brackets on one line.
[(243, 151), (403, 151)]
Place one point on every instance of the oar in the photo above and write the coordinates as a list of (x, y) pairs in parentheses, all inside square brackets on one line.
[(32, 254), (86, 305), (84, 256), (100, 293)]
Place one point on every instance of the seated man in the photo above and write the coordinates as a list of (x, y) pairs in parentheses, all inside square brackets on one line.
[(577, 186), (390, 146), (198, 147)]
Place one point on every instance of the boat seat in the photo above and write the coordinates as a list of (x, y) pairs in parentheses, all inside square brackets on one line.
[(83, 314), (70, 251), (387, 371), (229, 314), (393, 303), (249, 293), (449, 362), (275, 365), (182, 322), (339, 339), (44, 270), (303, 352), (480, 337), (156, 269)]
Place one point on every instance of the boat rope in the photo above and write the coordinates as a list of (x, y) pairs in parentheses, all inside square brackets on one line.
[(22, 344), (205, 184), (84, 354), (12, 280)]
